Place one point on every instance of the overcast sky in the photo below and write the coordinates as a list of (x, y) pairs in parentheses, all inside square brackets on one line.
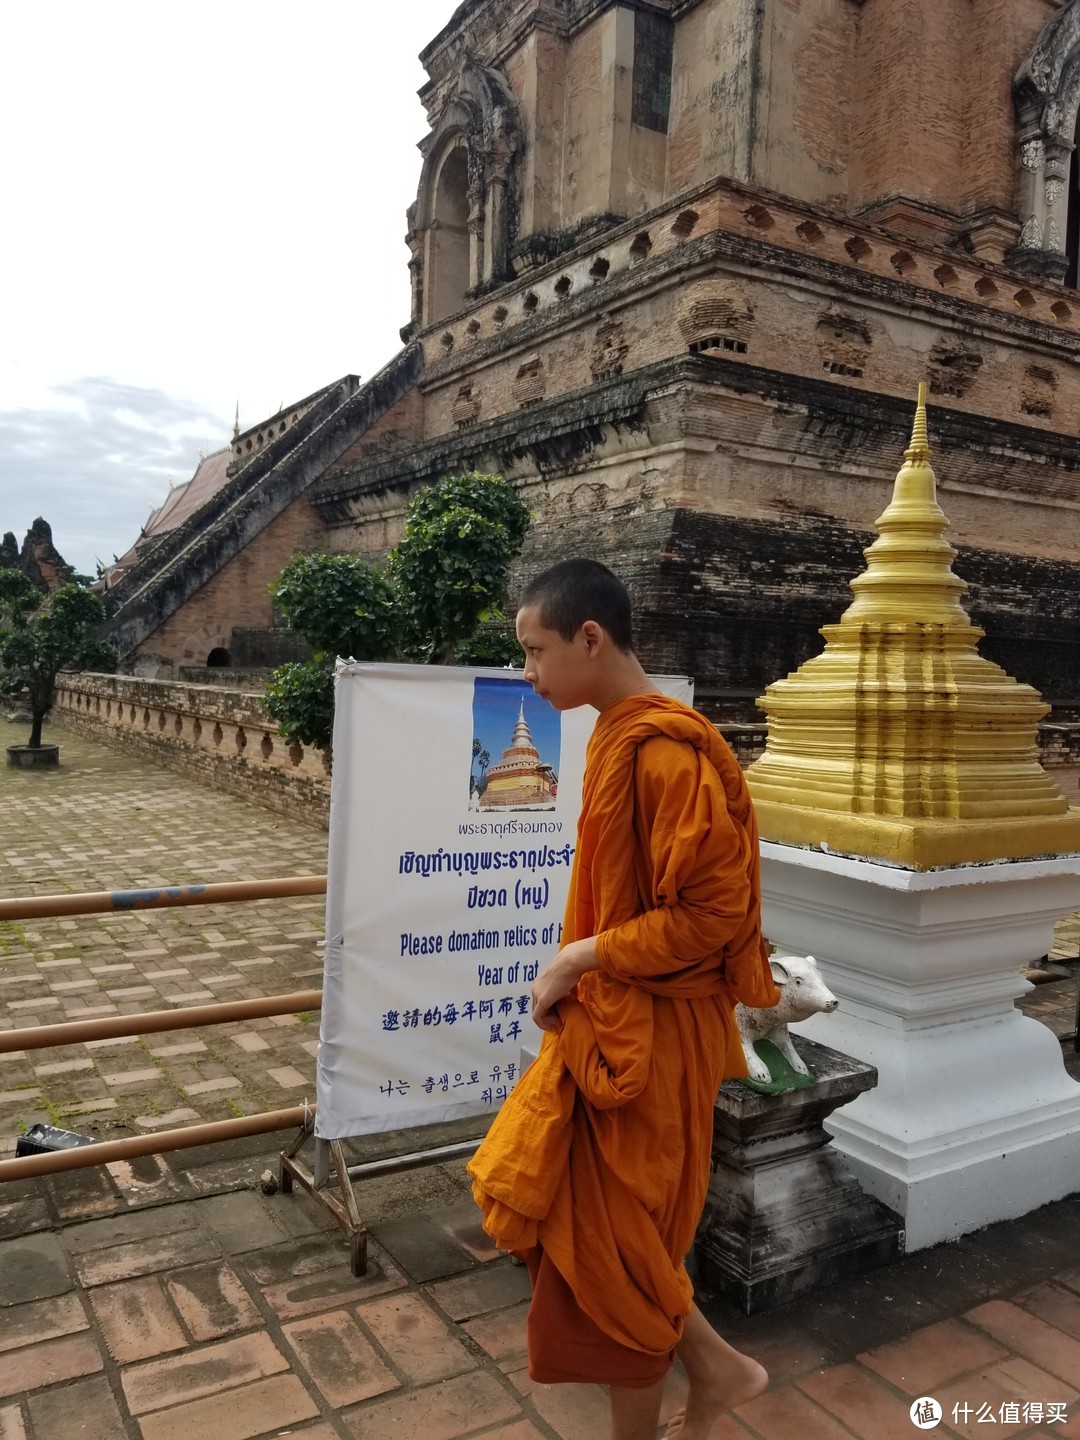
[(203, 204)]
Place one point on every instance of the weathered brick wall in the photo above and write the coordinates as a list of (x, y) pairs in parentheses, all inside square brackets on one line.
[(704, 274), (249, 681), (235, 595), (222, 737)]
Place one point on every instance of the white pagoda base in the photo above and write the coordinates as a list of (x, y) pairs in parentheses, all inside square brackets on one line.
[(974, 1118)]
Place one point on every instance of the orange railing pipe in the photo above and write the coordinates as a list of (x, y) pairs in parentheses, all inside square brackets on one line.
[(106, 1152), (97, 902), (77, 1032)]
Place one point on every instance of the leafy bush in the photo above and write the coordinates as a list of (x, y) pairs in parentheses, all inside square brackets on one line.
[(438, 599)]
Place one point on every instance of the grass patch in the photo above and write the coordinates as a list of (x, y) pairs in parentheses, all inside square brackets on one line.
[(12, 937)]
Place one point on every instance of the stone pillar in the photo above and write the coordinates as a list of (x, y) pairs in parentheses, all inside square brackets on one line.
[(974, 1118), (616, 106), (1043, 204), (477, 248)]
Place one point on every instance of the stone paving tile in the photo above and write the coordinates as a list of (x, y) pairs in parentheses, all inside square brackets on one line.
[(444, 1411), (137, 1320), (11, 1423), (1012, 1380), (787, 1412), (41, 1320), (485, 1290), (92, 1401), (144, 1257), (34, 1267), (21, 1217), (339, 1358), (418, 1343), (235, 1414), (121, 1228), (82, 1194), (306, 1293), (574, 1412), (932, 1356), (199, 1372), (422, 1248), (862, 1401), (501, 1333), (212, 1301), (49, 1363), (1027, 1335)]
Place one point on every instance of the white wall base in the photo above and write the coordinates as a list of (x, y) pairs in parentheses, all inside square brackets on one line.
[(974, 1118)]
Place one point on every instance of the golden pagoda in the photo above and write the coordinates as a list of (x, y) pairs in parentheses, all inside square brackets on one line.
[(520, 779), (900, 741)]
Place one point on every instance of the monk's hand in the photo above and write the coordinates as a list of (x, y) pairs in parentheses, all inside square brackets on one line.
[(558, 979)]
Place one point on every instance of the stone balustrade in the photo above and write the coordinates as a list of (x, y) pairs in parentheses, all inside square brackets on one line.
[(227, 738), (224, 737)]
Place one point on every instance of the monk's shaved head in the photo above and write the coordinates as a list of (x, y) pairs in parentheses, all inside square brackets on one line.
[(578, 590)]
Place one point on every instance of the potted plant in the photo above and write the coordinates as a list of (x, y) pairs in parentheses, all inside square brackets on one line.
[(39, 637)]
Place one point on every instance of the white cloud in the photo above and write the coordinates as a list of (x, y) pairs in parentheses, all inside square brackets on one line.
[(205, 205)]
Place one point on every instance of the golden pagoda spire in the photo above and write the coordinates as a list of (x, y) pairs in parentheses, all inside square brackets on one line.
[(899, 741), (908, 575)]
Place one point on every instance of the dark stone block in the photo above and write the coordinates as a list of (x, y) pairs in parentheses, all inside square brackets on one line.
[(34, 1267), (784, 1213), (422, 1249)]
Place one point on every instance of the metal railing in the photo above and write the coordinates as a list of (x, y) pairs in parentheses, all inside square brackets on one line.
[(74, 1032)]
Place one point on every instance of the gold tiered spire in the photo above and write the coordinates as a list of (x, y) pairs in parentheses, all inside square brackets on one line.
[(900, 741)]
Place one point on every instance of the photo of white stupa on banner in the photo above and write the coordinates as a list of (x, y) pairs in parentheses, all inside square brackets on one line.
[(454, 804)]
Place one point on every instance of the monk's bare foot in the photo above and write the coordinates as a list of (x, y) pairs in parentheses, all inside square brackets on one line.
[(733, 1379)]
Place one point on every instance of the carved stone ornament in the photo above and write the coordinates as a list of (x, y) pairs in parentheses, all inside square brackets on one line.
[(1031, 235), (1053, 236), (1032, 155), (1054, 191), (1040, 76)]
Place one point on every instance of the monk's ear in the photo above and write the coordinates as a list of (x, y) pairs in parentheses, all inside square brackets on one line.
[(593, 635)]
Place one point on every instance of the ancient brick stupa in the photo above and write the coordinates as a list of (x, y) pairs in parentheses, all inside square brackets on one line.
[(520, 779), (900, 741)]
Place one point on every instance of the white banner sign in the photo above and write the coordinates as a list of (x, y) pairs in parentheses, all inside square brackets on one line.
[(453, 817)]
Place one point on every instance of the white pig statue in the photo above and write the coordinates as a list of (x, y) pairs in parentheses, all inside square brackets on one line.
[(802, 993)]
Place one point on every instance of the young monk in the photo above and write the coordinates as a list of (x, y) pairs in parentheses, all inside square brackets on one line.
[(595, 1170)]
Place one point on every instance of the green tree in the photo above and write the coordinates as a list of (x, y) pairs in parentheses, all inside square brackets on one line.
[(438, 599), (39, 638)]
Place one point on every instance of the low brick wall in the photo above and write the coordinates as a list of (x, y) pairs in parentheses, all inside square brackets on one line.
[(228, 739), (1059, 744), (223, 737)]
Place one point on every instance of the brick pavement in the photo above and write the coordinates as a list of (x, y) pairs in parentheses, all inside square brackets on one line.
[(107, 821), (156, 1312), (144, 1299)]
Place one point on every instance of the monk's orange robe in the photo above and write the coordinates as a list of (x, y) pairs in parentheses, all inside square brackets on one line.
[(601, 1155)]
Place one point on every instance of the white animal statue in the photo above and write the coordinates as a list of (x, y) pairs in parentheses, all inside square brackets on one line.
[(802, 993)]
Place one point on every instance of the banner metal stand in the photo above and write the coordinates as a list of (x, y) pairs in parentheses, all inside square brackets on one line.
[(330, 1179)]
